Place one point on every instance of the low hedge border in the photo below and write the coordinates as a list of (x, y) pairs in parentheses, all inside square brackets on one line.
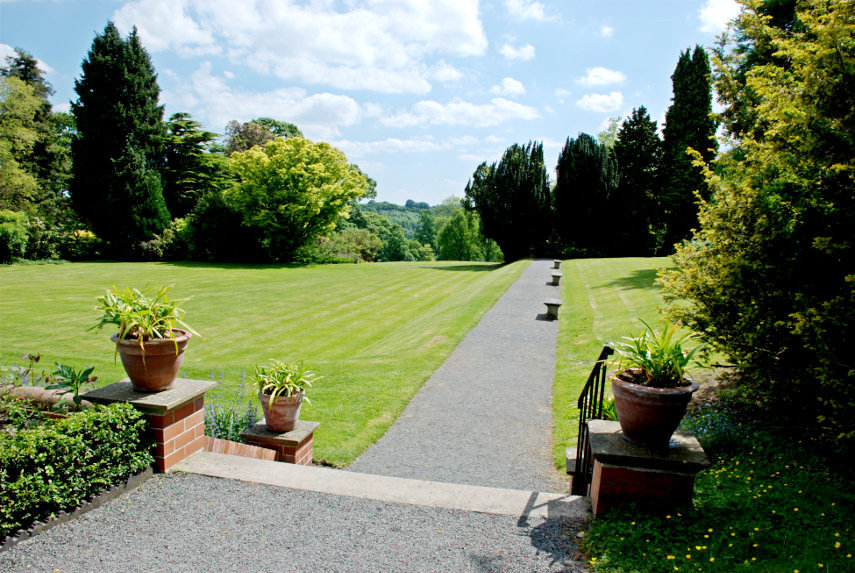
[(59, 465)]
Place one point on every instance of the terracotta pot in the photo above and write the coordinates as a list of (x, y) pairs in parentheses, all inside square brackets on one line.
[(154, 366), (649, 416), (282, 416)]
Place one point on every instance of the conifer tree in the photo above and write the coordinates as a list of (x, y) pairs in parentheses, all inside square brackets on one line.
[(638, 151), (118, 150), (513, 199), (688, 125), (586, 176)]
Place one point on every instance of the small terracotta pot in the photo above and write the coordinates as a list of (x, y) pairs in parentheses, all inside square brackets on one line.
[(282, 416), (649, 416), (154, 366)]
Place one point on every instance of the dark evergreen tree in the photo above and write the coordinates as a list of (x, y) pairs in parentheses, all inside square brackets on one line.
[(586, 176), (189, 170), (513, 199), (634, 206), (688, 124), (118, 151)]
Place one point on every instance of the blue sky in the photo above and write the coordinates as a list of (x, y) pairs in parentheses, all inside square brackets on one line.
[(417, 92)]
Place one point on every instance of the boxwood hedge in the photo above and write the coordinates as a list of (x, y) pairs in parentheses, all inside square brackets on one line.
[(59, 464)]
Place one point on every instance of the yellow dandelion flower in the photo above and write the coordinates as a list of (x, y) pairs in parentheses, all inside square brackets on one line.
[(697, 547), (754, 559), (795, 509), (820, 565), (688, 556), (755, 545), (837, 535), (706, 536), (712, 559), (756, 529), (667, 517), (670, 557), (837, 545), (710, 530)]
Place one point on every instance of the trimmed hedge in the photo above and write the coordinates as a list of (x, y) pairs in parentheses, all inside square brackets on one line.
[(59, 464)]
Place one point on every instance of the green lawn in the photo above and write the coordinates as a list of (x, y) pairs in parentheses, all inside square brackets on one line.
[(375, 332), (602, 300)]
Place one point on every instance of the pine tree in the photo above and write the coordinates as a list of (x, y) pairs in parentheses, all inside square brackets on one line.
[(688, 124), (634, 205), (118, 151), (586, 176)]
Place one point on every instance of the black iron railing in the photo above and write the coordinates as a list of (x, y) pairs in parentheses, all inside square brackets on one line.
[(590, 408)]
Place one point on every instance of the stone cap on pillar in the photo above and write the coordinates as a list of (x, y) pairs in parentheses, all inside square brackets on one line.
[(183, 391), (259, 434), (609, 447)]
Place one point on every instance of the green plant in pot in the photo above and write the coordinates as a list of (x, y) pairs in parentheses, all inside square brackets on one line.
[(651, 387), (282, 388), (148, 341)]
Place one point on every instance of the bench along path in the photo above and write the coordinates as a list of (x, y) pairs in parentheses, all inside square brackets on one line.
[(485, 416)]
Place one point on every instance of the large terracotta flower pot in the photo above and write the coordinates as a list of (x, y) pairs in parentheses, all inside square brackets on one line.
[(154, 366), (282, 416), (649, 416)]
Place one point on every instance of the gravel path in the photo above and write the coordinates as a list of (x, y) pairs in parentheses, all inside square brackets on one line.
[(182, 522), (485, 416)]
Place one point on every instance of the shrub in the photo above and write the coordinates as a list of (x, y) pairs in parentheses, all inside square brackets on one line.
[(227, 423), (56, 466), (78, 245), (13, 235)]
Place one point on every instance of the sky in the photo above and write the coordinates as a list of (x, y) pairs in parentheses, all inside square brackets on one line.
[(416, 92)]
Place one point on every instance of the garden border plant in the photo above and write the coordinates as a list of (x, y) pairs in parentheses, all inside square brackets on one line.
[(59, 464)]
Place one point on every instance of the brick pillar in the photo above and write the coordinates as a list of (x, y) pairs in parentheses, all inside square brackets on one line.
[(627, 473), (294, 447), (176, 417)]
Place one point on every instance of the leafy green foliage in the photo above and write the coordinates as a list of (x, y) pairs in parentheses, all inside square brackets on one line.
[(460, 238), (513, 200), (19, 133), (586, 175), (116, 155), (140, 316), (71, 380), (13, 235), (292, 190), (658, 357), (226, 422), (770, 276), (57, 465), (283, 379)]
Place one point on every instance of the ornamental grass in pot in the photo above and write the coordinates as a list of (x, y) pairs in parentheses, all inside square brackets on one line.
[(148, 341), (282, 389), (651, 387)]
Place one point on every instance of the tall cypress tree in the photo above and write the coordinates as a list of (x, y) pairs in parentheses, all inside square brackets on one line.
[(586, 176), (687, 125), (634, 205), (512, 197), (118, 150)]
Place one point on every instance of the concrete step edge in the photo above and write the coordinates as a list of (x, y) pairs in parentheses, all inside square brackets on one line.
[(517, 503)]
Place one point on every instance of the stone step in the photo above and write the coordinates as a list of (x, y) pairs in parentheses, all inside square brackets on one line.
[(517, 503), (570, 460)]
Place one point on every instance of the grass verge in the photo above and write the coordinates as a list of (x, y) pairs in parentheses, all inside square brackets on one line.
[(765, 505), (375, 332), (602, 300)]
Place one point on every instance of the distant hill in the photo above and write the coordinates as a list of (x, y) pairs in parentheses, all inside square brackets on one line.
[(407, 215)]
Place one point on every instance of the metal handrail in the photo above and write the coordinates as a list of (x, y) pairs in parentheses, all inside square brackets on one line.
[(590, 406)]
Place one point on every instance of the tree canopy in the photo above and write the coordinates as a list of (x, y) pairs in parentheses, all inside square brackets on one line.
[(291, 190)]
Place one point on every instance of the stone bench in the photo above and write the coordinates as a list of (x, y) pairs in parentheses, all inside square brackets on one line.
[(556, 264), (556, 278), (552, 305)]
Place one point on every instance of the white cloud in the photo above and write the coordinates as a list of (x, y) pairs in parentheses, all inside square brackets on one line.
[(606, 31), (601, 77), (379, 45), (527, 10), (444, 72), (318, 115), (390, 145), (561, 94), (459, 112), (601, 102), (524, 53), (508, 87), (715, 14)]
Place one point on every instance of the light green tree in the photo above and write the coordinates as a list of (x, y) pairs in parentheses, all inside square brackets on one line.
[(19, 105), (770, 276), (292, 190)]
